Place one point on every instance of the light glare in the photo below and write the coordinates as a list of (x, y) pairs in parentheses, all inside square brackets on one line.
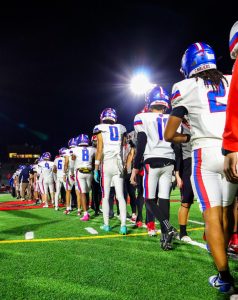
[(140, 84)]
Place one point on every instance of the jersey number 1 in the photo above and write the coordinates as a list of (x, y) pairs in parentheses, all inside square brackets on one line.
[(114, 133), (161, 126)]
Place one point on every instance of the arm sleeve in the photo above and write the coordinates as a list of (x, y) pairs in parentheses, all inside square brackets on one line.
[(140, 149), (179, 112), (178, 156), (230, 135)]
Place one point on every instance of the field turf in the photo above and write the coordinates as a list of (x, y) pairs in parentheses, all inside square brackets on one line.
[(64, 261)]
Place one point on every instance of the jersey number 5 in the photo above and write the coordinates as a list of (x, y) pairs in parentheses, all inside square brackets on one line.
[(214, 105)]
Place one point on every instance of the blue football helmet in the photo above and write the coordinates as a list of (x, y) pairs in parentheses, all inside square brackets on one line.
[(46, 155), (72, 142), (108, 114), (158, 96), (83, 140), (197, 58), (63, 151)]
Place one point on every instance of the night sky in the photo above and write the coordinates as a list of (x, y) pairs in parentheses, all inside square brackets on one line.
[(61, 65)]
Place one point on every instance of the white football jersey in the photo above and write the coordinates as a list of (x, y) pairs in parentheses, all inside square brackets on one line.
[(206, 110), (153, 125), (112, 135), (59, 163), (71, 162), (46, 169), (84, 157)]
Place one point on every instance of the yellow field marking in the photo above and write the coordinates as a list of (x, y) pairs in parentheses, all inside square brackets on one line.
[(83, 237)]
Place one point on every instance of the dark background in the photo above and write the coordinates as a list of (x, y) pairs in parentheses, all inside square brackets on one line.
[(61, 64)]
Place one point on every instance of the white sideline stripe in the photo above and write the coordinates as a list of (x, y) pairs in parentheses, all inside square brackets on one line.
[(91, 230), (194, 243), (196, 222)]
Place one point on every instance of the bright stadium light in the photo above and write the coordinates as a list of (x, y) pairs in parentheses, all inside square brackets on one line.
[(140, 84)]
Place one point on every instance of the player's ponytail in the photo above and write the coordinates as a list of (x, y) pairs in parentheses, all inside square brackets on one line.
[(211, 77)]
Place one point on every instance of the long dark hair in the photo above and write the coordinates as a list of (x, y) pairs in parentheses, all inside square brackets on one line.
[(211, 77)]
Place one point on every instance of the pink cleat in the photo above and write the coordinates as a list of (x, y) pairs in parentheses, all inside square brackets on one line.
[(85, 218)]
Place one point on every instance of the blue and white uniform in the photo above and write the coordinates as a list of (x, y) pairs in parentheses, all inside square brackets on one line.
[(83, 167), (153, 125), (206, 112), (112, 166)]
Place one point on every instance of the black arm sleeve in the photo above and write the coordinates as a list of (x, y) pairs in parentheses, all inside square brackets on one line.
[(140, 149), (179, 112), (178, 156)]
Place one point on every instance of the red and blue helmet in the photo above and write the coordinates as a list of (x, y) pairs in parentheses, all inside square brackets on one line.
[(63, 151), (197, 58), (83, 140), (72, 142), (108, 114), (46, 155), (233, 42), (158, 96)]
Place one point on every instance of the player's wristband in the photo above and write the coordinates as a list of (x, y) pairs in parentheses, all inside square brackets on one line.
[(97, 162)]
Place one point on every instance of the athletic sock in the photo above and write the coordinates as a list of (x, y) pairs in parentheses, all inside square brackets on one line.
[(183, 230), (226, 276)]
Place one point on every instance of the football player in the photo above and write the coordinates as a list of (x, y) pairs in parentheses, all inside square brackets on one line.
[(96, 189), (58, 169), (46, 179), (110, 140), (183, 170), (69, 174), (159, 159), (83, 155), (203, 97)]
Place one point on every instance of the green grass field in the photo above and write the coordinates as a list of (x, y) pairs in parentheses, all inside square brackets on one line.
[(64, 261)]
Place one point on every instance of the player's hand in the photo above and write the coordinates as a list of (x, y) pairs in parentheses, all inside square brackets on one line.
[(64, 178), (96, 176), (230, 167), (133, 176)]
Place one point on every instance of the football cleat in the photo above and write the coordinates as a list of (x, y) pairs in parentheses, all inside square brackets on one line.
[(85, 218), (152, 232), (106, 228), (233, 244), (223, 287), (185, 238), (123, 230), (133, 218), (166, 244), (139, 224), (67, 212)]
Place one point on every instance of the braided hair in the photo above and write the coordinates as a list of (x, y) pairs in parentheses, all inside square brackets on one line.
[(211, 77)]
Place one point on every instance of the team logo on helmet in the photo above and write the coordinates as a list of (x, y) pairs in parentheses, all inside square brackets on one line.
[(197, 58)]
